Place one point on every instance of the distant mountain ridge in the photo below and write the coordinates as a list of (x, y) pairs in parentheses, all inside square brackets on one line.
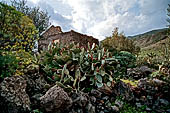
[(149, 32), (151, 39)]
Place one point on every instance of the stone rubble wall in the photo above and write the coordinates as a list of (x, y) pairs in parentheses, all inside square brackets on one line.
[(65, 37)]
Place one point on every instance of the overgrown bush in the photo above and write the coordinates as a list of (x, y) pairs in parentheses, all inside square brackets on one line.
[(8, 65), (155, 58), (17, 36), (26, 61), (17, 62), (118, 42), (80, 68), (17, 31), (126, 59)]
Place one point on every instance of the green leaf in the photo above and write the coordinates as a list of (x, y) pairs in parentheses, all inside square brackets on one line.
[(99, 84), (92, 66), (77, 75), (83, 78), (103, 52), (108, 54), (60, 84), (110, 78), (81, 57), (54, 62), (50, 79), (87, 63), (109, 84), (82, 50), (68, 88), (66, 71), (75, 81), (95, 73), (99, 56), (99, 78), (102, 62), (103, 72), (49, 46), (66, 80), (92, 80), (57, 78), (111, 59), (63, 71), (93, 46), (59, 71)]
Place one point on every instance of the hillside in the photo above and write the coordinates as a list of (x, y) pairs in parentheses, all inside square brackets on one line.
[(152, 39)]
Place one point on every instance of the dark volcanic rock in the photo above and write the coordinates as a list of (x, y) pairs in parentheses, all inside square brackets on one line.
[(153, 93), (56, 100), (96, 93), (13, 96), (36, 87), (81, 99), (139, 72), (81, 102), (123, 90), (35, 83)]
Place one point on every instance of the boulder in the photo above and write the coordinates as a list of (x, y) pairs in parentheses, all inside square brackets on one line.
[(81, 102), (35, 83), (96, 93), (153, 93), (124, 90), (81, 99), (36, 87), (56, 100), (13, 96), (139, 72)]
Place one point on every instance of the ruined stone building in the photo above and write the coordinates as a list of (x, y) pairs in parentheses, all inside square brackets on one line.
[(53, 34)]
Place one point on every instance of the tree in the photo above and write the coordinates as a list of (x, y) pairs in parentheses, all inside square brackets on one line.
[(40, 18), (17, 31), (120, 43)]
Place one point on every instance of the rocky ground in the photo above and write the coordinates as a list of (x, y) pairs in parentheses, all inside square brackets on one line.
[(31, 93)]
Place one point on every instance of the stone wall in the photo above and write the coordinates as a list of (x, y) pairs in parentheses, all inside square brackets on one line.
[(66, 38), (51, 31)]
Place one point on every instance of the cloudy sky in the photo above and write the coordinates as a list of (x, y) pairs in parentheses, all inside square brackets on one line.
[(99, 17)]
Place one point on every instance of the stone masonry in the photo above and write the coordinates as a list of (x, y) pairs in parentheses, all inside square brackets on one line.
[(55, 34)]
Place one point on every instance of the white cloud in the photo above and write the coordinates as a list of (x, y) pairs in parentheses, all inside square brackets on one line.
[(100, 17), (35, 1)]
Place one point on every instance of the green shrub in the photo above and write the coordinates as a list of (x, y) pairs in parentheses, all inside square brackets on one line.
[(118, 42), (126, 59), (26, 61), (22, 61), (8, 65), (80, 68), (17, 31)]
